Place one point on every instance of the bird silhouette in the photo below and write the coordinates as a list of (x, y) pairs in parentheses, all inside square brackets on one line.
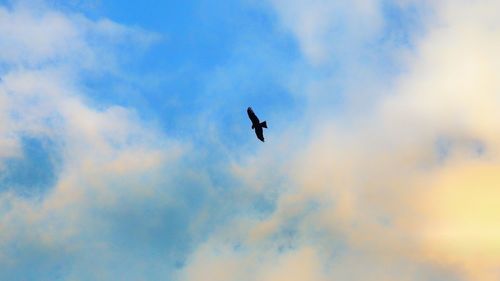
[(256, 124)]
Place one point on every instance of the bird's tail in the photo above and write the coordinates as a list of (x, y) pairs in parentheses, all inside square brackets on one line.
[(263, 124)]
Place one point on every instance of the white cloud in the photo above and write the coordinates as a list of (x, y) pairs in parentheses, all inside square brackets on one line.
[(364, 196), (330, 28), (113, 164), (33, 38), (371, 195)]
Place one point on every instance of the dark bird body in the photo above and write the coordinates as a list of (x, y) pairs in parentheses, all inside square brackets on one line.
[(256, 124)]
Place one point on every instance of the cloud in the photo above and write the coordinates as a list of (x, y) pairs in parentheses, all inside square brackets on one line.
[(398, 187), (461, 214), (394, 184), (44, 36), (111, 199), (321, 25), (226, 264)]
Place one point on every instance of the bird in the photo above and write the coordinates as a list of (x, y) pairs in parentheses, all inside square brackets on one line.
[(256, 124)]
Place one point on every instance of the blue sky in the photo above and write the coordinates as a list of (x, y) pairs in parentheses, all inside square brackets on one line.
[(126, 152), (200, 42)]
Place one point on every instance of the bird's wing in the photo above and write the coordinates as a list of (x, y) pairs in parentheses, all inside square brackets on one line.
[(252, 116), (259, 132)]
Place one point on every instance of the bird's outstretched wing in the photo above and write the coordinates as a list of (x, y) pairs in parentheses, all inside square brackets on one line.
[(260, 133), (252, 116)]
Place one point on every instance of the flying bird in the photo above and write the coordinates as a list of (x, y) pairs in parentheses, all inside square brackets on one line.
[(256, 124)]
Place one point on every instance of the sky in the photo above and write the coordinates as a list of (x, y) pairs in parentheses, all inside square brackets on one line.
[(126, 152)]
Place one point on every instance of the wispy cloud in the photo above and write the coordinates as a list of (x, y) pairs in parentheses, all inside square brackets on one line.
[(112, 165), (386, 173), (395, 188)]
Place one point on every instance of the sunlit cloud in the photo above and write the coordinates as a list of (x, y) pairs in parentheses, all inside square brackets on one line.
[(406, 180), (386, 172), (109, 163)]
